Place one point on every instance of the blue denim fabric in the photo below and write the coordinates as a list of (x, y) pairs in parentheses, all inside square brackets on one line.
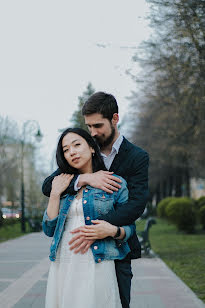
[(95, 202)]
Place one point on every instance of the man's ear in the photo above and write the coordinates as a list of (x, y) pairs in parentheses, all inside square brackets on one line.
[(115, 118)]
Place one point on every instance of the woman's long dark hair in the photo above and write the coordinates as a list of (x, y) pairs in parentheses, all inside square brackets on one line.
[(97, 162)]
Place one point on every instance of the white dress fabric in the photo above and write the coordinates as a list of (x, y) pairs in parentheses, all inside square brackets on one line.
[(75, 280)]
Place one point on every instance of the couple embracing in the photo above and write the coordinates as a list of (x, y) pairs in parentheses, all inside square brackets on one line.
[(99, 190)]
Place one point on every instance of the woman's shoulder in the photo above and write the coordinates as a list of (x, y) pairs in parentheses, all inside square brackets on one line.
[(122, 191), (65, 197), (62, 197)]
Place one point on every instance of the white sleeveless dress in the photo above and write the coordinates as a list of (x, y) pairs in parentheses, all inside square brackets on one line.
[(75, 280)]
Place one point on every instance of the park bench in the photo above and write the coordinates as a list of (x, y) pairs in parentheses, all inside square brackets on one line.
[(144, 236)]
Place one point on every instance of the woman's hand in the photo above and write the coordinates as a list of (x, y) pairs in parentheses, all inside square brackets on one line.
[(99, 230), (60, 183)]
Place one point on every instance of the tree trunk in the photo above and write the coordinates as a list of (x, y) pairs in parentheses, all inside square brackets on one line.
[(158, 194), (164, 188), (170, 188), (178, 182), (187, 182)]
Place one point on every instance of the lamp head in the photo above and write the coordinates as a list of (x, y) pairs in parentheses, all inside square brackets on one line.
[(39, 135)]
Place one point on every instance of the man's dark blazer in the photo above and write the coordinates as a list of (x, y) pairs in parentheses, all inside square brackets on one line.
[(131, 163)]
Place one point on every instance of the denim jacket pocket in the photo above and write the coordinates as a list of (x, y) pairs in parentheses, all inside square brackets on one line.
[(103, 203)]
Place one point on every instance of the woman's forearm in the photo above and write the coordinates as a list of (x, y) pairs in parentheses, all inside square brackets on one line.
[(53, 206)]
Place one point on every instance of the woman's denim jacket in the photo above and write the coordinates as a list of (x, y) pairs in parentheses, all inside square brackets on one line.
[(95, 201)]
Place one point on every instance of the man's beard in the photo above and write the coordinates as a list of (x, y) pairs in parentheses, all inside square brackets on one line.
[(104, 143)]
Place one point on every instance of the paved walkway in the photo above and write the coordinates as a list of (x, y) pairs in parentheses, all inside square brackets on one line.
[(24, 267)]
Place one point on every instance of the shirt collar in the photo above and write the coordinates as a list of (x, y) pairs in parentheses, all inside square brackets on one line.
[(116, 145)]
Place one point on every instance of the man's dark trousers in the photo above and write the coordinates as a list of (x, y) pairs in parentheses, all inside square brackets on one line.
[(131, 163), (124, 276)]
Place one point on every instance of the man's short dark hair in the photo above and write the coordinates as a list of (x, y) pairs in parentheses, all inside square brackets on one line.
[(101, 102)]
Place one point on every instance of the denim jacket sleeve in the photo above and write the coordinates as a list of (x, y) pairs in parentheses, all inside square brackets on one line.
[(48, 224), (121, 198)]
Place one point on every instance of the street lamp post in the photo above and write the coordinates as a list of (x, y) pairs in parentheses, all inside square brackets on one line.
[(34, 127)]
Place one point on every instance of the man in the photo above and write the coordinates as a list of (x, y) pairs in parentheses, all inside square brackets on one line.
[(120, 156)]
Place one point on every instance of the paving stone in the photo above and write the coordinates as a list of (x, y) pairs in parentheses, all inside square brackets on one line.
[(35, 298), (154, 280), (4, 285), (147, 301), (14, 270)]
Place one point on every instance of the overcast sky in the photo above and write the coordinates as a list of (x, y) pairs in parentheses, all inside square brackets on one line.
[(50, 51)]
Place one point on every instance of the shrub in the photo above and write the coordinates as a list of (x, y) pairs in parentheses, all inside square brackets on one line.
[(202, 216), (1, 218), (181, 212), (200, 202), (10, 221), (161, 207)]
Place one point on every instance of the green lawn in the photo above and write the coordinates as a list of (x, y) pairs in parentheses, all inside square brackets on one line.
[(11, 231), (183, 253)]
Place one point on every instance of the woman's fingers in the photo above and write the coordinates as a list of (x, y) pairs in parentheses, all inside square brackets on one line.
[(80, 247), (76, 238), (77, 243), (86, 248), (61, 182), (94, 237), (70, 176), (64, 177)]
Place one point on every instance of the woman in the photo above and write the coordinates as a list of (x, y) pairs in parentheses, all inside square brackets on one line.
[(83, 280)]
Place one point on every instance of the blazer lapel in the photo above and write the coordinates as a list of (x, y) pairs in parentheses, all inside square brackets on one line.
[(119, 157)]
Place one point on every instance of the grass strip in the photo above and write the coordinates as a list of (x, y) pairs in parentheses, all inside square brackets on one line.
[(8, 232)]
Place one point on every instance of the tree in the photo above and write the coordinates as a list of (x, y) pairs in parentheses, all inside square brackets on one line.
[(171, 104), (10, 168), (77, 118), (9, 155)]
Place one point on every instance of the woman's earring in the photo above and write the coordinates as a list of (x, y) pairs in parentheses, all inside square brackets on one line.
[(93, 153)]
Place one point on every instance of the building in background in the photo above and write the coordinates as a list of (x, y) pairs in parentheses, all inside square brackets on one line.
[(197, 188)]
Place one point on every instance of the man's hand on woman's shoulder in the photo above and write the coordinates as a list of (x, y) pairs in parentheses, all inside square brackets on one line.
[(104, 180)]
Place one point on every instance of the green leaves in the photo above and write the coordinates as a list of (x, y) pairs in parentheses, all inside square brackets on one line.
[(171, 101), (77, 118)]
